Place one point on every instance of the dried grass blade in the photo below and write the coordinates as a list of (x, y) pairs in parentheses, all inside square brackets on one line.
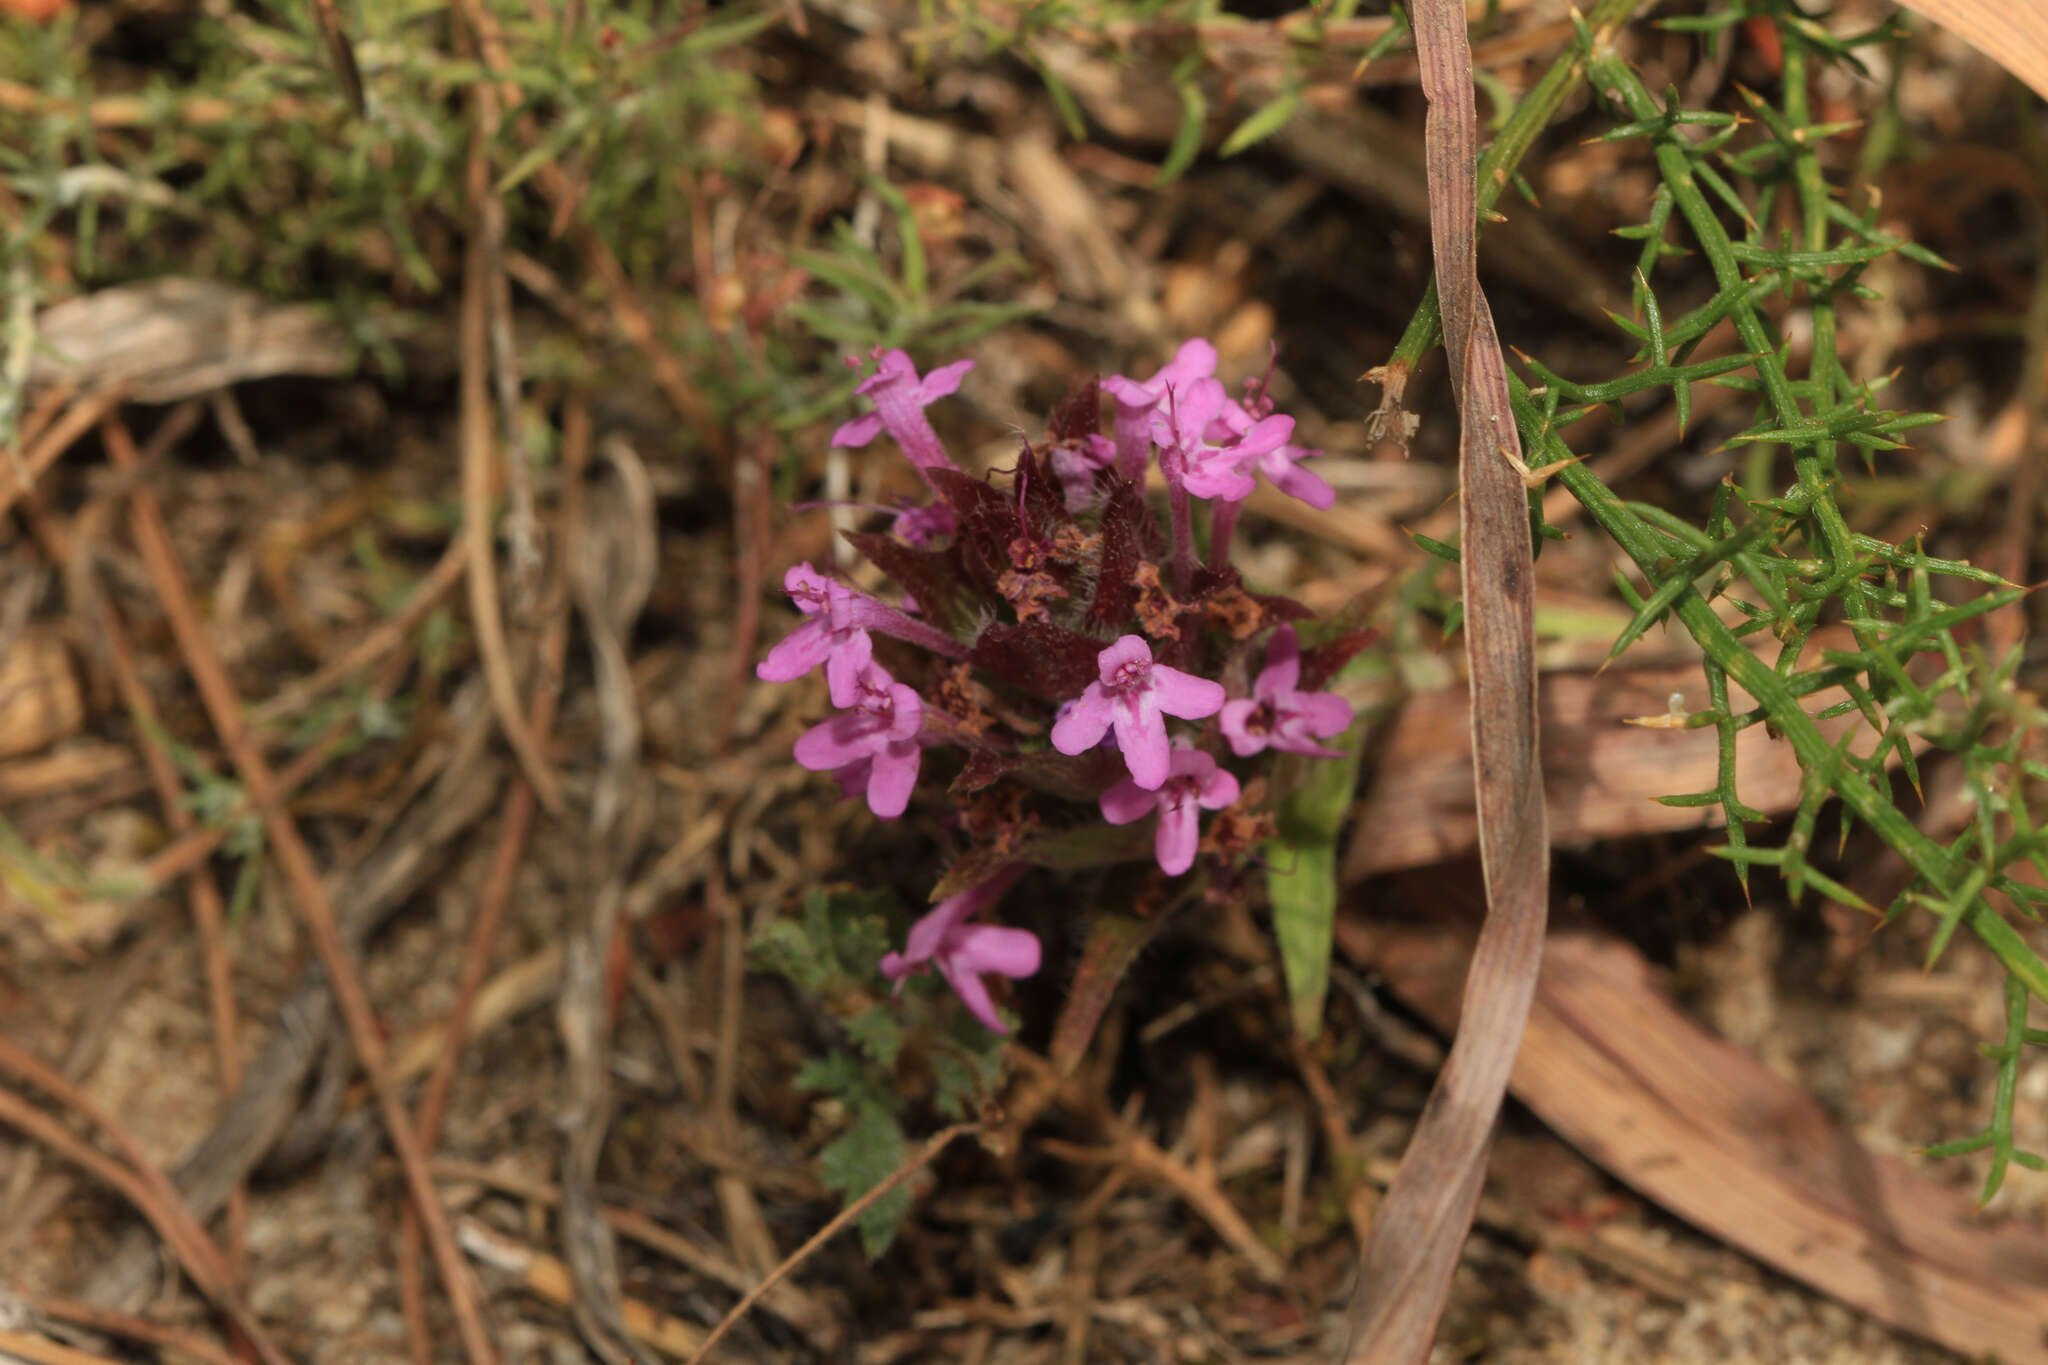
[(1421, 1228)]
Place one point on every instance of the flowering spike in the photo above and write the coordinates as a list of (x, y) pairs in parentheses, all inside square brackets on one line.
[(1278, 715), (872, 746), (1131, 697), (963, 952), (1193, 780), (901, 397)]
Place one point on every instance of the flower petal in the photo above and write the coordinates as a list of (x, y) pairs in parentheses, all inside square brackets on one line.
[(906, 710), (1266, 434), (857, 433), (935, 926), (893, 778), (1127, 802), (796, 653), (1141, 734), (943, 381), (1326, 713), (851, 654), (1218, 791), (979, 948), (893, 367), (834, 743), (1303, 484), (1218, 482), (1235, 718), (1282, 673), (1083, 724), (806, 587), (1178, 834), (973, 993), (1184, 694), (1128, 650)]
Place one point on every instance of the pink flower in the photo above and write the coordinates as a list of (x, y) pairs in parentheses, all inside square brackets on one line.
[(1200, 449), (836, 634), (876, 739), (1194, 781), (1131, 698), (1136, 400), (1277, 715), (1279, 464), (965, 952), (831, 636), (900, 400), (1196, 359)]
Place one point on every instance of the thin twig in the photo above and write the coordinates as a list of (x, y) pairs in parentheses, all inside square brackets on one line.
[(380, 640), (342, 54), (209, 912), (629, 314), (484, 608), (223, 707), (939, 1142), (752, 526), (139, 1182), (107, 1320), (58, 438), (42, 1351), (789, 1302)]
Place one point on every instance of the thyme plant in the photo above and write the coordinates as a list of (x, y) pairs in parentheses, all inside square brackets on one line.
[(1772, 560)]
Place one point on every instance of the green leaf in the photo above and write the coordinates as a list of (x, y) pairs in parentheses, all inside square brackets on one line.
[(1187, 138), (839, 938), (1063, 100), (1268, 119), (877, 1032), (867, 1153), (1301, 875), (968, 1069)]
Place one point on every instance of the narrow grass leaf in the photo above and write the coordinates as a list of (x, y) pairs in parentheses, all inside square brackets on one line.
[(1416, 1240), (1301, 878)]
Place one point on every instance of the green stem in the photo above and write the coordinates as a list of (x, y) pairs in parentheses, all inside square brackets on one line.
[(1531, 116)]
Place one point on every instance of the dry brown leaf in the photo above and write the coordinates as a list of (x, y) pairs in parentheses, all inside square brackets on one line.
[(1421, 1228), (2013, 33), (1713, 1135)]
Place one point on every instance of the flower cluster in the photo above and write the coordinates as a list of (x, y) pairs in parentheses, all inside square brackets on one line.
[(1048, 629)]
